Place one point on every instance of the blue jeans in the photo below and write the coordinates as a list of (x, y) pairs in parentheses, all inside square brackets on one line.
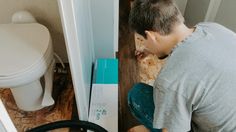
[(140, 101)]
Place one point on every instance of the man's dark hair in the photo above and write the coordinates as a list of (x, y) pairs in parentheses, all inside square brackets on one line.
[(154, 15)]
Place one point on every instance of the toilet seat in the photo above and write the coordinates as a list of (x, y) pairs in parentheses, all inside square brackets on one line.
[(25, 53)]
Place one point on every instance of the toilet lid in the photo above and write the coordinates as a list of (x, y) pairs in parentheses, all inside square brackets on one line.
[(21, 46)]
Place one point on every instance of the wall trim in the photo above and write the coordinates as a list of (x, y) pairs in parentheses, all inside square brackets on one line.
[(212, 10), (116, 26), (67, 13)]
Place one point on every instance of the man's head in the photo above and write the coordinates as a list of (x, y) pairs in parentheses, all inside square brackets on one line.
[(157, 21), (154, 15)]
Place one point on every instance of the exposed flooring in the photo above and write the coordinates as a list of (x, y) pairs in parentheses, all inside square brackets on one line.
[(130, 70), (150, 66), (62, 110)]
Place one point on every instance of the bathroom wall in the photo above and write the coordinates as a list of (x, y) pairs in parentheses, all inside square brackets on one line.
[(182, 5), (196, 11), (226, 14), (104, 33), (220, 11), (46, 13)]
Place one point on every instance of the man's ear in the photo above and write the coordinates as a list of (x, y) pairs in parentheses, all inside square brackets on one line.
[(151, 35)]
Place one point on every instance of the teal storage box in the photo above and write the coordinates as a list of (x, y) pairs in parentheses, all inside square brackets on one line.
[(104, 95), (106, 71)]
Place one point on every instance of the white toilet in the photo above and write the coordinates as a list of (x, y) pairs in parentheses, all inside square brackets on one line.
[(26, 55)]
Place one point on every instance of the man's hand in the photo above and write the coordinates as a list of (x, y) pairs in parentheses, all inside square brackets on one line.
[(164, 130), (141, 54)]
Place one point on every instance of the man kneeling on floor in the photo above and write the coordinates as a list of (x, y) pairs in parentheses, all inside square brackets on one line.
[(196, 88)]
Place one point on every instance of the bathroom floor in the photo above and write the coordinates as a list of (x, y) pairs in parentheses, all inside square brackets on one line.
[(62, 110), (131, 70)]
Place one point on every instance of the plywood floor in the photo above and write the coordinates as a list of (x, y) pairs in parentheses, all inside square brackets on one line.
[(62, 110)]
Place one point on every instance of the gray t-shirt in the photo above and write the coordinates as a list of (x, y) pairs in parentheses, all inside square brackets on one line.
[(198, 83)]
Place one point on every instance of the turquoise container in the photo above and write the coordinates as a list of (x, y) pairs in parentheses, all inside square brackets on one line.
[(106, 71)]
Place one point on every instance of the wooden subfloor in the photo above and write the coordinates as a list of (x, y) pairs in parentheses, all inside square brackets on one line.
[(62, 110)]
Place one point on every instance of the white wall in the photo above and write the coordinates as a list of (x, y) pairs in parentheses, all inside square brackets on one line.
[(182, 5), (195, 11), (103, 27), (220, 11), (226, 14)]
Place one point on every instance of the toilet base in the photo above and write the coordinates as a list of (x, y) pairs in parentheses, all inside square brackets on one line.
[(32, 96), (28, 97)]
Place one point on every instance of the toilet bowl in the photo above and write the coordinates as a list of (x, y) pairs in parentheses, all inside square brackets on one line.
[(26, 55)]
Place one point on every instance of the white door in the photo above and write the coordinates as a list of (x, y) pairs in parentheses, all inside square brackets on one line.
[(76, 23), (6, 124)]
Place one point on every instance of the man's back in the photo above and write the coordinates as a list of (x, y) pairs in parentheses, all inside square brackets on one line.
[(199, 79)]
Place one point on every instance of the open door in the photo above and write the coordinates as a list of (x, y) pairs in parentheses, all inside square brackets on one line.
[(76, 23), (6, 124)]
